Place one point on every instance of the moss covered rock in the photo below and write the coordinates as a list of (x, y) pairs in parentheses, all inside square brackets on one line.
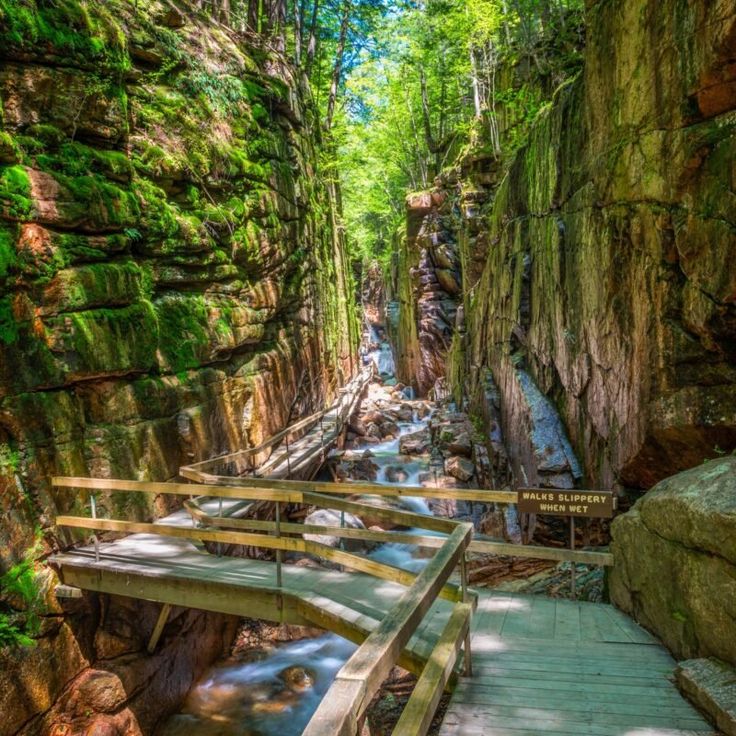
[(675, 561)]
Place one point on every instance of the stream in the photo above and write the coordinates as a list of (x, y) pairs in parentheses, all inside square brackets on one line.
[(275, 692)]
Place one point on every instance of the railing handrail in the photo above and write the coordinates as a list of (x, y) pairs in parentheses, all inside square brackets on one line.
[(302, 492), (381, 650), (361, 676)]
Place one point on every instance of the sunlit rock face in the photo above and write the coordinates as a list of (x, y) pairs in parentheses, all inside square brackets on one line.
[(675, 555), (167, 265), (423, 291), (607, 252), (168, 273)]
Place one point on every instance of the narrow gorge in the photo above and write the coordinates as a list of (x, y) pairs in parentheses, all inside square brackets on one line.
[(298, 299)]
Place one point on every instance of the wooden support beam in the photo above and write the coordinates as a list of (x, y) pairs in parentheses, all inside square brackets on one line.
[(418, 713), (158, 629), (216, 593)]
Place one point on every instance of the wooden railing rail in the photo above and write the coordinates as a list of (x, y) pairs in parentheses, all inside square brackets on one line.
[(346, 701), (362, 675), (305, 492)]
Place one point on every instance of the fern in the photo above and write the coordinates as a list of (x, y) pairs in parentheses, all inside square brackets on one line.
[(21, 602)]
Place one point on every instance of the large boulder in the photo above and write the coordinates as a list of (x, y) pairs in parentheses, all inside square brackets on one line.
[(675, 561), (330, 517)]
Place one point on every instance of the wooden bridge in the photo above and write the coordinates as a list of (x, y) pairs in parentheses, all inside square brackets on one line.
[(538, 665)]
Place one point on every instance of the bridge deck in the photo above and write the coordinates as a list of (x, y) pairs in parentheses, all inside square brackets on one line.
[(547, 666), (175, 571)]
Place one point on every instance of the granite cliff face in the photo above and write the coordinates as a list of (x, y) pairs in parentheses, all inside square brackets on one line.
[(168, 262), (171, 277), (597, 278)]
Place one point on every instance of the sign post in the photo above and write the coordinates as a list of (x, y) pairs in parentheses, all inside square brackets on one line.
[(570, 503)]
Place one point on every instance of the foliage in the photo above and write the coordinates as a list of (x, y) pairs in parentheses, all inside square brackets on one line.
[(439, 79), (21, 602)]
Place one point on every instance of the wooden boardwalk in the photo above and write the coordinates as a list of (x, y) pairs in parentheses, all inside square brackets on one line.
[(547, 666), (175, 572)]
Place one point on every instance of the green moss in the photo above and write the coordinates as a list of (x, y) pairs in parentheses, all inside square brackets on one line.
[(15, 193), (8, 325), (8, 258), (183, 334), (9, 151), (76, 159), (95, 198), (66, 28)]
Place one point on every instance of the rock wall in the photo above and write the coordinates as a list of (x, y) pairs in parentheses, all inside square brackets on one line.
[(423, 291), (601, 279), (89, 673), (170, 273), (676, 561), (168, 265)]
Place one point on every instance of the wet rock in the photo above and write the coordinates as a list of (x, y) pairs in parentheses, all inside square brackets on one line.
[(460, 468), (390, 429), (358, 427), (330, 517), (373, 430), (416, 443), (396, 474), (372, 417), (298, 678)]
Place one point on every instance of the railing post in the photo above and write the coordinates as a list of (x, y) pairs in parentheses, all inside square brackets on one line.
[(93, 507), (219, 544), (573, 593), (288, 457), (278, 551), (468, 663)]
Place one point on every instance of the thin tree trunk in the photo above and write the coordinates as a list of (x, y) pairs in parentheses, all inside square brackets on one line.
[(476, 83), (312, 43), (298, 31), (337, 69)]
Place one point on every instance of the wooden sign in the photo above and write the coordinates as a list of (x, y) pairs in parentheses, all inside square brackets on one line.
[(556, 502)]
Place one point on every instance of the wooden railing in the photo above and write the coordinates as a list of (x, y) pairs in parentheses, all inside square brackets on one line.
[(361, 677), (480, 544)]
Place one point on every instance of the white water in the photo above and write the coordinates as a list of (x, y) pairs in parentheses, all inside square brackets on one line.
[(250, 699)]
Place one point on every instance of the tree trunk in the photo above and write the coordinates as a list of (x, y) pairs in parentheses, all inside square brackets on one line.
[(337, 69), (312, 43), (298, 31)]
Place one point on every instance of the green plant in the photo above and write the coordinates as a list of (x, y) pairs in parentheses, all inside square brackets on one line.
[(21, 602)]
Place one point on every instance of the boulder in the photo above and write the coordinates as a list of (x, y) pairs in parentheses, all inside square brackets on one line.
[(330, 517), (396, 474), (675, 554), (416, 443), (460, 468)]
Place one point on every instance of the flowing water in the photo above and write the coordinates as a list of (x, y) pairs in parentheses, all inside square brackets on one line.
[(277, 694), (273, 696)]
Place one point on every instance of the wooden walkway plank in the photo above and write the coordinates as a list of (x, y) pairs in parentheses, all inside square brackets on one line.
[(566, 668)]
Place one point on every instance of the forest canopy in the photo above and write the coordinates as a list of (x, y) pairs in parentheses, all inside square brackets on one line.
[(404, 87)]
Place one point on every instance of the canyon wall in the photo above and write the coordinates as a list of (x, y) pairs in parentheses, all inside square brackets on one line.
[(168, 262), (598, 279), (171, 278)]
